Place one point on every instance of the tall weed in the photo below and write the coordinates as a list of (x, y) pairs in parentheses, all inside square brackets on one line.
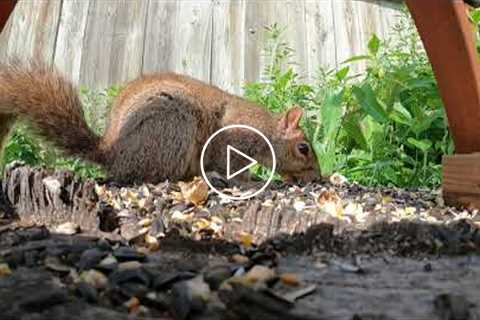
[(385, 126)]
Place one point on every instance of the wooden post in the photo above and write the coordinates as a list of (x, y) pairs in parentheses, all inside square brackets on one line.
[(448, 36)]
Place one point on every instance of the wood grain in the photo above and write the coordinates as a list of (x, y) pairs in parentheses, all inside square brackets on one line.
[(98, 43), (192, 45), (288, 15), (461, 180), (113, 44), (320, 37), (160, 36), (71, 35), (33, 30), (228, 45)]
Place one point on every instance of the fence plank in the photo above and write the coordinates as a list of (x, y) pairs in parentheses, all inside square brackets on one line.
[(181, 34), (101, 42), (390, 14), (113, 43), (4, 38), (192, 46), (348, 32), (71, 35), (228, 47), (158, 54), (260, 14), (33, 30), (320, 37), (371, 22)]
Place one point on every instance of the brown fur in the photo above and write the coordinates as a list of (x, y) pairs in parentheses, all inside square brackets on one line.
[(157, 126)]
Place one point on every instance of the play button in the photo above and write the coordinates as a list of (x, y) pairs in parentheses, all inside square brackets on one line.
[(232, 151), (240, 153)]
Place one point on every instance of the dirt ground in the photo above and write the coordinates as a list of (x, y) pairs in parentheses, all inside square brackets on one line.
[(72, 249)]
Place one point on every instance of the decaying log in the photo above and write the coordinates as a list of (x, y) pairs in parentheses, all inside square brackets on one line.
[(41, 196)]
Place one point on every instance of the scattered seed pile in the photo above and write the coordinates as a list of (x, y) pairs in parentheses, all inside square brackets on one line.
[(328, 250)]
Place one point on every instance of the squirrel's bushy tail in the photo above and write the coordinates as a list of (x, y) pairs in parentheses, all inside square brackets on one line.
[(40, 95)]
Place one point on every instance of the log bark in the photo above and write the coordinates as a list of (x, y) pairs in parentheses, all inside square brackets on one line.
[(45, 197)]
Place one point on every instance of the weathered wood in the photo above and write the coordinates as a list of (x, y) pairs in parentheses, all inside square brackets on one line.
[(372, 21), (192, 45), (461, 180), (71, 36), (228, 45), (320, 37), (158, 54), (113, 45), (6, 7), (389, 15), (100, 43), (38, 267), (348, 34), (33, 31), (288, 15), (40, 197), (179, 37)]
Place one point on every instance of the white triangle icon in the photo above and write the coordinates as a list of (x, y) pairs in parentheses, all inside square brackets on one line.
[(251, 164)]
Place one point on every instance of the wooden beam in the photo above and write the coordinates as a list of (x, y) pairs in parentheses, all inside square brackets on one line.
[(448, 37), (461, 180), (6, 7)]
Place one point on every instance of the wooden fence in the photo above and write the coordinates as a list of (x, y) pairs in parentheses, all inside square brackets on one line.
[(101, 42)]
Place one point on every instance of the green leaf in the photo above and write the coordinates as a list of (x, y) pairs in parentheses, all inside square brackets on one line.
[(374, 45), (284, 79), (421, 83), (331, 114), (401, 115), (369, 103), (357, 58), (475, 16), (423, 144), (352, 127), (342, 73), (424, 123)]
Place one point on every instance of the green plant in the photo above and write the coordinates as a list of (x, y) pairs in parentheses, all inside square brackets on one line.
[(22, 146), (384, 126), (475, 19), (25, 146)]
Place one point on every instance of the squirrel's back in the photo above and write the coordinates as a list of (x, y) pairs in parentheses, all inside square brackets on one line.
[(158, 125), (156, 128)]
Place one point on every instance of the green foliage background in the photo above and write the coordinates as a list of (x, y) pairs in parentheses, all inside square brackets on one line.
[(384, 126)]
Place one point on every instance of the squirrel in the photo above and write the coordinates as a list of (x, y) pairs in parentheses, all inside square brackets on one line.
[(157, 126)]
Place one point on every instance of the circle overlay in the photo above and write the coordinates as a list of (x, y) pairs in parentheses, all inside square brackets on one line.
[(246, 195)]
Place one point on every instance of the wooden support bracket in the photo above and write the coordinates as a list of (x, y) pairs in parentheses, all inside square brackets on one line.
[(461, 180)]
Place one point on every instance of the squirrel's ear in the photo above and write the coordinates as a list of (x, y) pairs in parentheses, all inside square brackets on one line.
[(290, 120)]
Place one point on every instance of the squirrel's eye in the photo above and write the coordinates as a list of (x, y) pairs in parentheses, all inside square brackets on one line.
[(303, 148)]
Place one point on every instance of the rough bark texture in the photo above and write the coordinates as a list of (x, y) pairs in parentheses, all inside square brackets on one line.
[(45, 197)]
